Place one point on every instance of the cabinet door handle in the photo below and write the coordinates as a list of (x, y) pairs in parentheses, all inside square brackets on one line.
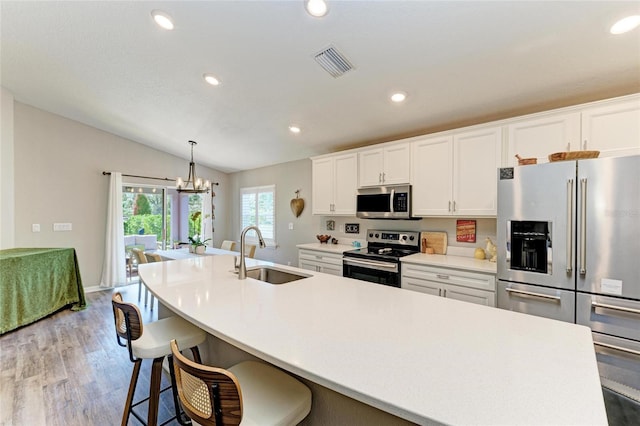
[(439, 292), (449, 205), (584, 145), (379, 177), (384, 177), (445, 293), (454, 206), (442, 277)]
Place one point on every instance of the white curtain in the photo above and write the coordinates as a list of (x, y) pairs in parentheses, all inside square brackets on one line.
[(206, 230), (113, 265)]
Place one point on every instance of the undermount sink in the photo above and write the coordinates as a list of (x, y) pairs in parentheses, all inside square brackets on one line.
[(272, 275)]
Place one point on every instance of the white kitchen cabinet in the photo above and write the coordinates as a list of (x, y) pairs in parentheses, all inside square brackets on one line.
[(456, 174), (539, 137), (319, 261), (432, 181), (456, 284), (334, 185), (389, 165), (612, 128)]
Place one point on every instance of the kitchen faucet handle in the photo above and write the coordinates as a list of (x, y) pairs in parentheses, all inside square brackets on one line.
[(236, 264)]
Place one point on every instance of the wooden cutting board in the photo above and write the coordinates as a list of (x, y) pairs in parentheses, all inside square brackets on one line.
[(436, 240)]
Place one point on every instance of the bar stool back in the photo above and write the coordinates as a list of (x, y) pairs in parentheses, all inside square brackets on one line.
[(151, 341), (250, 392)]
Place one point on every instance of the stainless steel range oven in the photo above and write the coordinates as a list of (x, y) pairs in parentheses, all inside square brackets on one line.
[(379, 262)]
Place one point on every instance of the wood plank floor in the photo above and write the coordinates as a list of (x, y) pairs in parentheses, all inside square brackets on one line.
[(67, 369)]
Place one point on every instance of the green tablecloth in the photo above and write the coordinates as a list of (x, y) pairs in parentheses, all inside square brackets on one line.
[(35, 282)]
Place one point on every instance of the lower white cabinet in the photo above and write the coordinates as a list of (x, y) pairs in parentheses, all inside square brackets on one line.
[(474, 287), (320, 261)]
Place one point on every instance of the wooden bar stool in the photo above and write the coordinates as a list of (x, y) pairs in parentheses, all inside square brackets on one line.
[(151, 341), (141, 259), (151, 258), (250, 392)]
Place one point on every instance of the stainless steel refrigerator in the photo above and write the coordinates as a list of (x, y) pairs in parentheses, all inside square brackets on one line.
[(569, 249)]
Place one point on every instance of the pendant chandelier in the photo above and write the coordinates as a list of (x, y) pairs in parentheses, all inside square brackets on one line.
[(194, 184)]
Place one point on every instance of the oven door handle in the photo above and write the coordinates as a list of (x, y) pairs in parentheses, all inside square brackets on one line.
[(371, 264)]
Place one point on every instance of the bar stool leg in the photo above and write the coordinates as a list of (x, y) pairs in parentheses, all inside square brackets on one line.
[(132, 390), (154, 391), (196, 354)]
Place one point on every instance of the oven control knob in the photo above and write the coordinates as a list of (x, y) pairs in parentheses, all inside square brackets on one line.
[(403, 238), (377, 235), (371, 235), (411, 238)]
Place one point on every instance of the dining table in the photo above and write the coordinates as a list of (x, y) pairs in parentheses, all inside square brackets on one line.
[(185, 253), (36, 282)]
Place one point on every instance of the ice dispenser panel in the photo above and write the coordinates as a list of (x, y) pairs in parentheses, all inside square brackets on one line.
[(530, 246)]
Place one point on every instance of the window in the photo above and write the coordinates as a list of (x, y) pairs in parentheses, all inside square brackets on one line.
[(258, 207)]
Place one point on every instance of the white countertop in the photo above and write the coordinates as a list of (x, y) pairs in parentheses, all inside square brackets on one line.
[(329, 248), (447, 261), (423, 358)]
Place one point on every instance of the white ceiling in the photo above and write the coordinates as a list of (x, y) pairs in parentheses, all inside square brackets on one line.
[(106, 64)]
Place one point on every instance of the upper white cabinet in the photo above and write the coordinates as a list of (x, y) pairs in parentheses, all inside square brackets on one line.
[(612, 129), (334, 184), (476, 158), (432, 176), (537, 138), (389, 165), (456, 175)]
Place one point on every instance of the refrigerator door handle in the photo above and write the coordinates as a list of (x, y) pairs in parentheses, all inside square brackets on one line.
[(583, 226), (617, 348), (595, 304), (569, 225), (538, 295)]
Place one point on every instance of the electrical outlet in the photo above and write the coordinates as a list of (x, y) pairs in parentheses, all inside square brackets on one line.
[(352, 228), (35, 227), (62, 227), (290, 226)]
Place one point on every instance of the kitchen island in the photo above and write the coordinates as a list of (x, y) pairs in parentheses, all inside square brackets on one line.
[(425, 359)]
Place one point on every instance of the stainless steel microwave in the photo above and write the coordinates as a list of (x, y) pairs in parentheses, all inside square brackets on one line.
[(384, 202)]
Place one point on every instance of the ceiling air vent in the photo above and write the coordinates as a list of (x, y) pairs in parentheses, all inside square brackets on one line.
[(333, 62)]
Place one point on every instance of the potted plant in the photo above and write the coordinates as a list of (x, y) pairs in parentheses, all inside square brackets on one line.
[(198, 246)]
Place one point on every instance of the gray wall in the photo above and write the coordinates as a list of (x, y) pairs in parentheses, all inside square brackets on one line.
[(287, 177), (58, 178)]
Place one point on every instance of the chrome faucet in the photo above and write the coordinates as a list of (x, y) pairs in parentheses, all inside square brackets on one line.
[(242, 267)]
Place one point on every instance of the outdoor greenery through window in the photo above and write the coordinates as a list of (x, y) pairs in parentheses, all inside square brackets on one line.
[(142, 211), (142, 214), (258, 207)]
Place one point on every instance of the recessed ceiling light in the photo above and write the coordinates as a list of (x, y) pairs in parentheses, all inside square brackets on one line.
[(162, 19), (625, 25), (399, 97), (211, 79), (317, 8), (294, 129)]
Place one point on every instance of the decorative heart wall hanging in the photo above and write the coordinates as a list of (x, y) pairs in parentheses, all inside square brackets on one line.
[(297, 204)]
